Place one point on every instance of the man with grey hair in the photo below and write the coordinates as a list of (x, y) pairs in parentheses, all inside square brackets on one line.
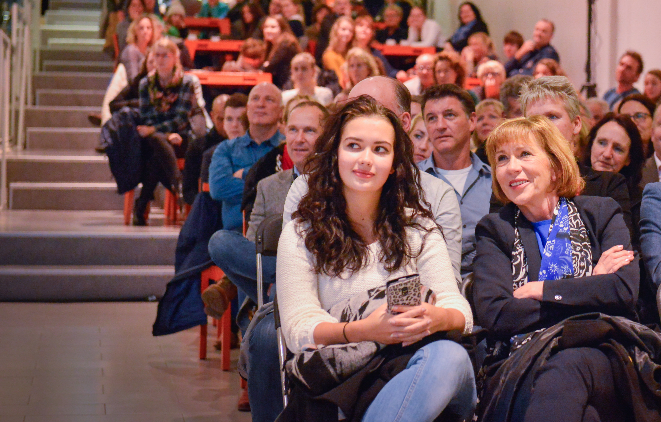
[(556, 98), (597, 107), (424, 70), (509, 95), (232, 159)]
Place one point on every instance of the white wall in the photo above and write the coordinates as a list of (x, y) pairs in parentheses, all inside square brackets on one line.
[(618, 24)]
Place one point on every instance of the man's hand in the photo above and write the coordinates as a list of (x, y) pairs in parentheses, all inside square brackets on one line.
[(526, 48)]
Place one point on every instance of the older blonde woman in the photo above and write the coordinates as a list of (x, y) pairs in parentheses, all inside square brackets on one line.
[(492, 75), (549, 255), (359, 65), (304, 73)]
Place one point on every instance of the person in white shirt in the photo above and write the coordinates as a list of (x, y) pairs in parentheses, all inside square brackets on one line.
[(423, 32)]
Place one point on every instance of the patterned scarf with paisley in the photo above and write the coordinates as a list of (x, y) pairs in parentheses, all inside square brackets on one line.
[(162, 97), (567, 252)]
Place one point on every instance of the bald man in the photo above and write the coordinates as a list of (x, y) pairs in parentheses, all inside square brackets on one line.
[(232, 159), (424, 70)]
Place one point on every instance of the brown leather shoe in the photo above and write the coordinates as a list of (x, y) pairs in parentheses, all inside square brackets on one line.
[(244, 403), (217, 297)]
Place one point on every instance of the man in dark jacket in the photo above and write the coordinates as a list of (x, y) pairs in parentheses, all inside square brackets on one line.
[(533, 50)]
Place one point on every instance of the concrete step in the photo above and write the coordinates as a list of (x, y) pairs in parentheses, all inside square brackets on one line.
[(77, 66), (68, 31), (89, 247), (62, 139), (74, 98), (71, 80), (64, 196), (58, 166), (74, 5), (76, 42), (76, 283), (68, 53), (55, 116), (60, 17)]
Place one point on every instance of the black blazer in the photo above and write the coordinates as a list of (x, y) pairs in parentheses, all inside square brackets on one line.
[(503, 315)]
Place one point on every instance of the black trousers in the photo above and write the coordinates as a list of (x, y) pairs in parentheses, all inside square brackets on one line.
[(576, 385), (160, 165)]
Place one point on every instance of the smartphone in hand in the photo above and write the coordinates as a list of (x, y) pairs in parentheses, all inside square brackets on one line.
[(403, 291)]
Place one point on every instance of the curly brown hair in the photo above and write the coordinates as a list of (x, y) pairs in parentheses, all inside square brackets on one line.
[(322, 215)]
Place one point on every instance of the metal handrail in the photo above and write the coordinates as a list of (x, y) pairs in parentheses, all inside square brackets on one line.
[(5, 66)]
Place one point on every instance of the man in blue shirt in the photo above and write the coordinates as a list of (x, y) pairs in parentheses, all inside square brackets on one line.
[(449, 114), (534, 50), (627, 72), (232, 159)]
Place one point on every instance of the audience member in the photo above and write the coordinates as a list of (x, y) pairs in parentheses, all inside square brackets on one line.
[(533, 50), (650, 231), (478, 51), (416, 105), (627, 72), (418, 133), (174, 21), (404, 7), (151, 7), (248, 25), (251, 57), (235, 254), (525, 281), (319, 12), (319, 247), (111, 15), (291, 12), (471, 23), (232, 159), (555, 98), (166, 99), (424, 71), (449, 113), (423, 32), (509, 95), (653, 85), (213, 9), (651, 169), (511, 44), (141, 35), (393, 32), (488, 115), (281, 47), (360, 65), (340, 8), (364, 38), (491, 75), (444, 206), (548, 67), (134, 10), (614, 146), (641, 110), (341, 37), (449, 68), (597, 107), (304, 74), (228, 114)]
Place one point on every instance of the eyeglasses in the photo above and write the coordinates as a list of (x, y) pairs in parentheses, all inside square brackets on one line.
[(637, 117), (422, 68)]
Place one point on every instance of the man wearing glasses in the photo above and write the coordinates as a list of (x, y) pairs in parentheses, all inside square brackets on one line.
[(424, 69)]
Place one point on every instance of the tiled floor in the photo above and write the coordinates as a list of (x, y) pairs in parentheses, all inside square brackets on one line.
[(98, 362)]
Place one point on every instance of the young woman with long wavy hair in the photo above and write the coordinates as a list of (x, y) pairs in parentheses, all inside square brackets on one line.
[(361, 224)]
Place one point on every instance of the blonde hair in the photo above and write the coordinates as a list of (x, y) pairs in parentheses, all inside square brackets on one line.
[(491, 66), (414, 122), (539, 131), (131, 35), (366, 58), (333, 42), (481, 106), (171, 47)]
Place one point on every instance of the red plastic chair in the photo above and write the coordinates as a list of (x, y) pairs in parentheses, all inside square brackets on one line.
[(224, 327)]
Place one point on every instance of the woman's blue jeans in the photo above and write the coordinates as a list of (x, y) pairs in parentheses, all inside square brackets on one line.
[(438, 376)]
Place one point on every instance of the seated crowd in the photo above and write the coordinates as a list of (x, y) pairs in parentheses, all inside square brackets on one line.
[(529, 214)]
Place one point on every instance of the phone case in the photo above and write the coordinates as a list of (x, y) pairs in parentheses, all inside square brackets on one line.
[(403, 291)]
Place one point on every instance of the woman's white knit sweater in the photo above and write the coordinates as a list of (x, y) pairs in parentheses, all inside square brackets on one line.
[(303, 295)]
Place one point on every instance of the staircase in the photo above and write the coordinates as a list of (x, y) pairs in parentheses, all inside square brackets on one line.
[(62, 238)]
